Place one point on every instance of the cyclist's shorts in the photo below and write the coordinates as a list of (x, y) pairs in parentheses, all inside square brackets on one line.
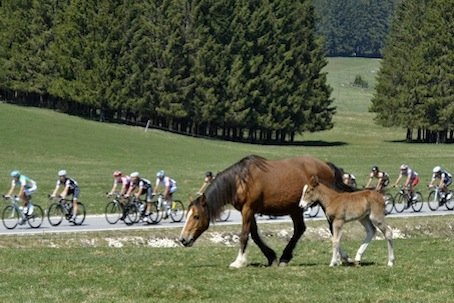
[(148, 192), (75, 192), (30, 190), (447, 181), (415, 181)]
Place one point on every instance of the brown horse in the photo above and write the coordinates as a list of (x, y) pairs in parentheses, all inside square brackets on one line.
[(257, 185), (367, 206)]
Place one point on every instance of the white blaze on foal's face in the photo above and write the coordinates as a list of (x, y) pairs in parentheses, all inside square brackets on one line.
[(303, 201)]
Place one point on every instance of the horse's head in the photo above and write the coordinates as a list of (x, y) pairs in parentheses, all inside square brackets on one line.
[(310, 194), (197, 221)]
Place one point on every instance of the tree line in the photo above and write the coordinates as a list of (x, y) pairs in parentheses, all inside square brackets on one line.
[(241, 70), (415, 88), (355, 27)]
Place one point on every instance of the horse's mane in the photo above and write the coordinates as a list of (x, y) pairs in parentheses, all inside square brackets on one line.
[(340, 185), (223, 189)]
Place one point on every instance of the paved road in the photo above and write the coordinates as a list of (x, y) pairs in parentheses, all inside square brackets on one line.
[(99, 223)]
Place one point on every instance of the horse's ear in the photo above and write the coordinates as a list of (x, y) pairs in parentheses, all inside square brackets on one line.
[(314, 181), (203, 200)]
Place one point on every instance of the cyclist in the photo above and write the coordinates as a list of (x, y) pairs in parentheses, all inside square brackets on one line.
[(207, 181), (349, 180), (120, 179), (445, 180), (412, 178), (70, 187), (141, 186), (27, 187), (170, 186), (383, 178)]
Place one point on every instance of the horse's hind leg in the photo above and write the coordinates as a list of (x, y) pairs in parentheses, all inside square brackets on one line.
[(370, 233), (298, 230), (388, 233), (266, 250)]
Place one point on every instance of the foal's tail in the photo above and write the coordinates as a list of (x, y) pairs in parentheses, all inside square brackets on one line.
[(340, 185)]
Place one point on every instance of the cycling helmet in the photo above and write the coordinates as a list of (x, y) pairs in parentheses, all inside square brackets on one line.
[(134, 175), (15, 173), (436, 169), (160, 174), (208, 174), (403, 166), (117, 173), (62, 173), (374, 168)]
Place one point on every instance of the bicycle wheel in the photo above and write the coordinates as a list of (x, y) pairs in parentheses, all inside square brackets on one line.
[(36, 218), (450, 203), (225, 215), (10, 217), (400, 203), (433, 200), (315, 209), (177, 211), (155, 216), (131, 214), (113, 212), (80, 215), (55, 214), (389, 203), (416, 204)]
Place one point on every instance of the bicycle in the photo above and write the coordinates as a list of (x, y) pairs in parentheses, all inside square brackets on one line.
[(63, 208), (437, 198), (174, 211), (136, 208), (403, 200), (312, 211), (118, 209), (225, 215), (14, 215)]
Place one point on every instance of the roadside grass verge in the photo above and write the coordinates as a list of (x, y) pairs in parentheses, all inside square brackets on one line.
[(87, 267)]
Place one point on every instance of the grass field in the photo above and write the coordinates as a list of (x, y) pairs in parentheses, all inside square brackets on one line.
[(85, 268)]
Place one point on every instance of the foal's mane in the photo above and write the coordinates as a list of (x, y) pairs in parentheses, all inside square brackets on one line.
[(223, 190)]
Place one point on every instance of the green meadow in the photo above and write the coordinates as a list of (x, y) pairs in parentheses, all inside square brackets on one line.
[(86, 267)]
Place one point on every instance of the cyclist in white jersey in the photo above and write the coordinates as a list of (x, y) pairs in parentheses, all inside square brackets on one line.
[(170, 186), (70, 188), (27, 187), (445, 179)]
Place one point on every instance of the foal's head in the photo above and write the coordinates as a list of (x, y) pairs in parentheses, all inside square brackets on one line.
[(197, 221), (310, 193)]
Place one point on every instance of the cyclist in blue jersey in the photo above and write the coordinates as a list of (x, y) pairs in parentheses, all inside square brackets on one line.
[(26, 187), (70, 187)]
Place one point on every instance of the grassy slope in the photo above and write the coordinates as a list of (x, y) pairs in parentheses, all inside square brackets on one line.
[(40, 142)]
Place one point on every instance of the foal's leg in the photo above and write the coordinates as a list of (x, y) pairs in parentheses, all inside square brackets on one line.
[(241, 259), (342, 253), (337, 234), (370, 234), (388, 233), (298, 230), (266, 250)]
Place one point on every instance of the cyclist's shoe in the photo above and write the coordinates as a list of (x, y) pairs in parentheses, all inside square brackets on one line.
[(449, 196), (22, 221), (29, 211), (145, 219), (72, 219)]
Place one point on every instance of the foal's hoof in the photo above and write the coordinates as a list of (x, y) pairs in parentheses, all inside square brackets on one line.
[(357, 263)]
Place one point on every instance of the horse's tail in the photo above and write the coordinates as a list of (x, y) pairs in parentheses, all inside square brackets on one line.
[(339, 184)]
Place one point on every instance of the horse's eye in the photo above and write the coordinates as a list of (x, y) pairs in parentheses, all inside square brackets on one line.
[(196, 217)]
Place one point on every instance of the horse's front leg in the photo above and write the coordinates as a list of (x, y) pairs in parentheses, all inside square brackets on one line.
[(298, 230), (343, 254), (266, 250), (241, 259), (337, 234)]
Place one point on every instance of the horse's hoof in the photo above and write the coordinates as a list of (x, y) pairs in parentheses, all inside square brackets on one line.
[(236, 265), (357, 263), (283, 264), (390, 264)]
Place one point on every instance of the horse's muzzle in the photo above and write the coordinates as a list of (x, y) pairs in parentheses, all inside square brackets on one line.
[(187, 242)]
